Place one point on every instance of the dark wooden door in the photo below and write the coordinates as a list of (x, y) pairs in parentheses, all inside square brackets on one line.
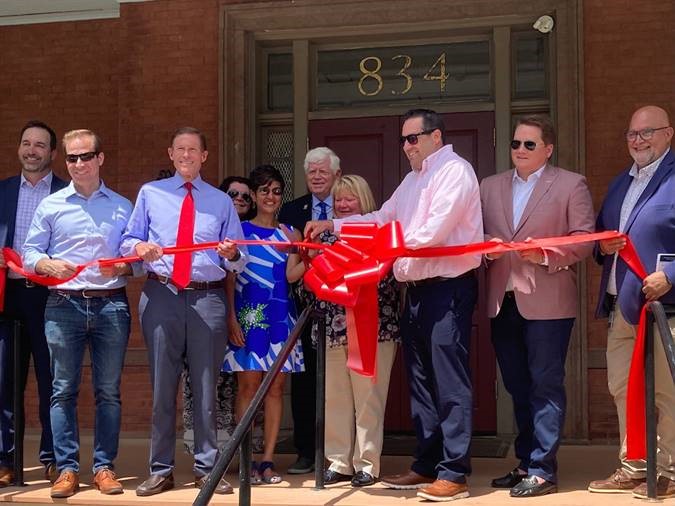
[(370, 147)]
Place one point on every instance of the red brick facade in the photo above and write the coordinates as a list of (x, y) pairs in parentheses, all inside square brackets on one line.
[(135, 79)]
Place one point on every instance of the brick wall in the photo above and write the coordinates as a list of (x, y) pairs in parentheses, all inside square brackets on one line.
[(629, 61)]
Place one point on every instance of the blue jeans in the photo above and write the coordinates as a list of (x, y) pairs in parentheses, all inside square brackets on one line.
[(70, 323)]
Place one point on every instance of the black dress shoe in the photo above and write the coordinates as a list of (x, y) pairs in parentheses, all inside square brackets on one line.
[(223, 486), (530, 487), (330, 477), (362, 479), (509, 480), (154, 485)]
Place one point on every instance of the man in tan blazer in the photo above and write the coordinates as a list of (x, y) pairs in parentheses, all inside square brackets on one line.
[(532, 295)]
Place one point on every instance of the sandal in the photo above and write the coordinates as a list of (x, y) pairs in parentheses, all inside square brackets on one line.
[(271, 478), (255, 474)]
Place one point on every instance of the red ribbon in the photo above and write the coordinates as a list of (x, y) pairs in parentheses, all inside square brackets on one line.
[(348, 271)]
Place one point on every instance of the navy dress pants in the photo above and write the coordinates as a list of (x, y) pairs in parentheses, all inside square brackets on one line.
[(436, 330), (531, 356), (27, 305)]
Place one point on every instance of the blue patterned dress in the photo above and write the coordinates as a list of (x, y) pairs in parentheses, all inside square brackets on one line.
[(264, 307)]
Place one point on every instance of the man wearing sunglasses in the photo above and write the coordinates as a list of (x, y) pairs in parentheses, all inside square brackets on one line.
[(532, 295), (81, 223), (25, 301), (437, 204), (322, 168), (640, 202), (182, 307)]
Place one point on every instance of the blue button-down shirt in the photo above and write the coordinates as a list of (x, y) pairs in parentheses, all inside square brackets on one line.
[(69, 226), (316, 207), (155, 219)]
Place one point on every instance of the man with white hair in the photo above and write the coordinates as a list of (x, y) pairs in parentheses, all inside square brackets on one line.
[(322, 168)]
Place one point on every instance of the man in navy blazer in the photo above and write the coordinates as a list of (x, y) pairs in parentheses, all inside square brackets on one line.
[(641, 203), (322, 168), (24, 301)]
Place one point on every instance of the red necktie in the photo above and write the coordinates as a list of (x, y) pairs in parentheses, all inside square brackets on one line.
[(182, 262)]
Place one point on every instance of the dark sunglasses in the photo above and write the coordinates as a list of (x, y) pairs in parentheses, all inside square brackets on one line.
[(85, 157), (413, 138), (529, 145), (265, 190), (234, 194)]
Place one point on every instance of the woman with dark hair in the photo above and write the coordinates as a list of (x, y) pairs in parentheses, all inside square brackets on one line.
[(239, 190), (263, 313)]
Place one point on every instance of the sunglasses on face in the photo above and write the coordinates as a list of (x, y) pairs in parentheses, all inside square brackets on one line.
[(529, 145), (275, 191), (413, 138), (234, 194), (85, 157)]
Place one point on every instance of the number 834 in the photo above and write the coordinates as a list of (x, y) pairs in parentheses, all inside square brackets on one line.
[(371, 66)]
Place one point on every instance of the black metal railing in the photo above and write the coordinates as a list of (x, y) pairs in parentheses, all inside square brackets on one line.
[(241, 437), (656, 315)]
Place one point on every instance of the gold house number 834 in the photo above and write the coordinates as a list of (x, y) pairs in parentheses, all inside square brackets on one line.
[(370, 67)]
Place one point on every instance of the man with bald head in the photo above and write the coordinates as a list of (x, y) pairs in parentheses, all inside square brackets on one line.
[(641, 203)]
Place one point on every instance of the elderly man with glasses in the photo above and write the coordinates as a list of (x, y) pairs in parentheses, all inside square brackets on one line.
[(640, 202), (437, 204), (532, 296)]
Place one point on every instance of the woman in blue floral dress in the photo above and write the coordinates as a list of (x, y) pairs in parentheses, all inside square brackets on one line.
[(264, 313)]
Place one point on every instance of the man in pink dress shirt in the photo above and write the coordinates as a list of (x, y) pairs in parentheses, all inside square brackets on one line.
[(437, 204)]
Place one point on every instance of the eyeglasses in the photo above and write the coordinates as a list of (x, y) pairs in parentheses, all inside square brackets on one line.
[(413, 138), (85, 157), (529, 145), (646, 133), (265, 190), (234, 194)]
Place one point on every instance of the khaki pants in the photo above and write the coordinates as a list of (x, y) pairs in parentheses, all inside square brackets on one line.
[(620, 342), (355, 411)]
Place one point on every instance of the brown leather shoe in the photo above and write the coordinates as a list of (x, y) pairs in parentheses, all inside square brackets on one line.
[(407, 481), (66, 484), (51, 472), (107, 483), (443, 490), (618, 482), (223, 486), (156, 484), (664, 488), (6, 476)]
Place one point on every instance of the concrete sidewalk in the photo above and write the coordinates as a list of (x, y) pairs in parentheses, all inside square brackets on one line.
[(578, 465)]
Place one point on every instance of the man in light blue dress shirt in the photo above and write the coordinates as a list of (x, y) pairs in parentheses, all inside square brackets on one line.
[(184, 324), (73, 226)]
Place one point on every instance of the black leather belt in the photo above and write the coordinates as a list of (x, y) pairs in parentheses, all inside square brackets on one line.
[(23, 282), (90, 293), (192, 285), (439, 279)]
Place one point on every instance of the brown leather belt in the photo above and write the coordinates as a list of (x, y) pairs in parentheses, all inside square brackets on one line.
[(90, 293), (192, 285), (439, 279)]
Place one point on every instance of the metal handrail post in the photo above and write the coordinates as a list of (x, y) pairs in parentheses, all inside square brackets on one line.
[(245, 461), (650, 408), (18, 408), (244, 425), (320, 425)]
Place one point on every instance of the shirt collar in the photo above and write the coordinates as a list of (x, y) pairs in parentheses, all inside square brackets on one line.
[(648, 170), (45, 180), (178, 181), (536, 175), (328, 201), (102, 189), (430, 159)]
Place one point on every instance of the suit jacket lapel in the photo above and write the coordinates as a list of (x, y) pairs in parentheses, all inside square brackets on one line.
[(540, 189), (665, 167), (507, 197)]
